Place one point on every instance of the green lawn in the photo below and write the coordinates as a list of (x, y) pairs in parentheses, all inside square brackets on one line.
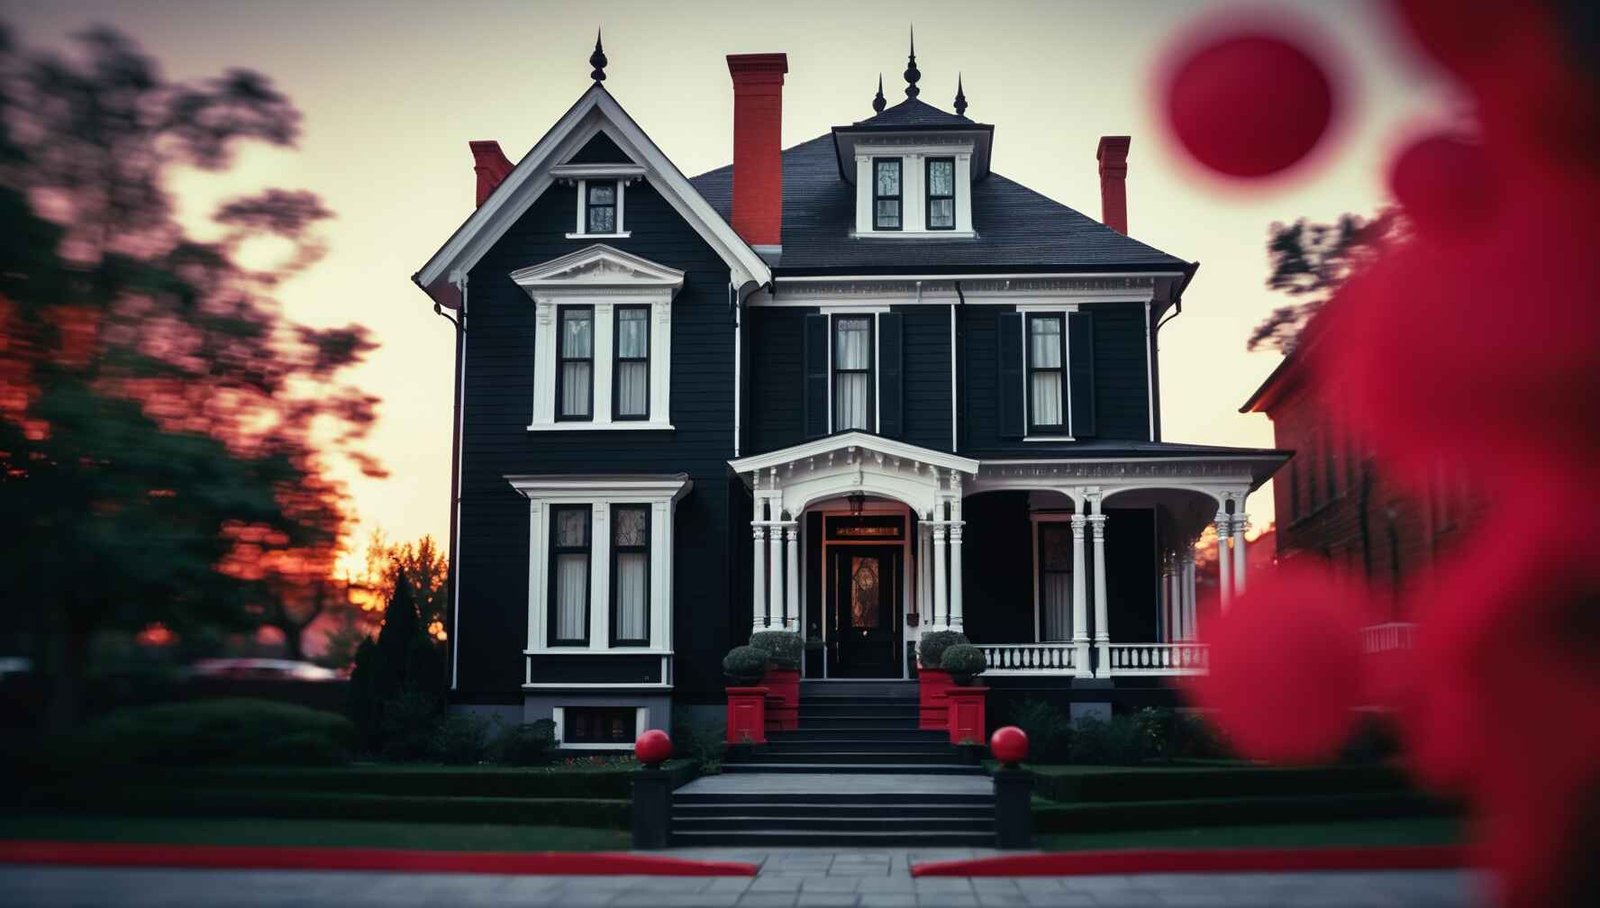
[(1405, 831), (352, 833)]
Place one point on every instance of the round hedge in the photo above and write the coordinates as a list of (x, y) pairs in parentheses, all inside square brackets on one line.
[(744, 664), (783, 648), (930, 649), (963, 661)]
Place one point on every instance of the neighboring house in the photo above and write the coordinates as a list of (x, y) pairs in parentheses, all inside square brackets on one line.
[(859, 388), (1333, 502)]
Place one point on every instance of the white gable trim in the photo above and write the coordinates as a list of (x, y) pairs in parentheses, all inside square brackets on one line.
[(597, 267), (875, 444), (595, 112)]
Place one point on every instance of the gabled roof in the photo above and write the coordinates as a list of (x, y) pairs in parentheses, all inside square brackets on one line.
[(1019, 230), (596, 111)]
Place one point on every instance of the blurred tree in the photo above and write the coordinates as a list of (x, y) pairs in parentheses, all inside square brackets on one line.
[(165, 433), (1310, 262)]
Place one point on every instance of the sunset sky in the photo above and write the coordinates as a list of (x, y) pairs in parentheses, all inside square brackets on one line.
[(393, 91)]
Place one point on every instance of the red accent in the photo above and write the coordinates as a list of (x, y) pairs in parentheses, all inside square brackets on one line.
[(933, 708), (747, 715), (783, 707), (968, 723), (1113, 157), (653, 747), (255, 857), (1240, 860), (1009, 745), (491, 165), (758, 146)]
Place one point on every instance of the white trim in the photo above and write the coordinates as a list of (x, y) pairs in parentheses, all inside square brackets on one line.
[(1051, 438), (635, 425), (907, 604), (455, 485), (599, 171), (914, 235), (1149, 370), (845, 440), (955, 444), (594, 112), (559, 714), (1016, 275), (599, 236)]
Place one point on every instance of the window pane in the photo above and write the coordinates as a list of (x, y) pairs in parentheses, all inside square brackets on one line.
[(577, 333), (633, 579), (864, 598), (633, 382), (633, 333), (850, 405), (941, 177), (572, 527), (602, 219), (1044, 343), (888, 178), (888, 214), (602, 193), (575, 389), (631, 527), (941, 212), (1047, 399), (852, 343), (572, 596)]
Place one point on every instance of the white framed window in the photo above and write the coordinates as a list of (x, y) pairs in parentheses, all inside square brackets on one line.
[(917, 190), (1046, 360), (600, 562), (601, 209), (599, 727), (854, 387), (602, 335)]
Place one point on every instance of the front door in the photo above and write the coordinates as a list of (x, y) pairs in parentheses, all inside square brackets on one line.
[(864, 611)]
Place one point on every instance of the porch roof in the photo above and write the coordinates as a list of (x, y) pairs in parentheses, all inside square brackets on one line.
[(844, 441), (1102, 457)]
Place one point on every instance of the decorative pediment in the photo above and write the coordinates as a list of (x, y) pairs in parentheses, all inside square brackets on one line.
[(597, 269)]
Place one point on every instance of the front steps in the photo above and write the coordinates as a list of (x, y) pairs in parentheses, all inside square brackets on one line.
[(820, 787)]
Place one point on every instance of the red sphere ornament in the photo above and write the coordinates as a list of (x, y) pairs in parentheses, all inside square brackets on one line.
[(653, 747), (1248, 105), (1009, 745)]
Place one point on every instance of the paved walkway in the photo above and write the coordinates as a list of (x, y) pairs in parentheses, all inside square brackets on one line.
[(797, 878)]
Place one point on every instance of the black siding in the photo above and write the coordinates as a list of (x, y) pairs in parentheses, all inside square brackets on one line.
[(926, 372), (776, 416)]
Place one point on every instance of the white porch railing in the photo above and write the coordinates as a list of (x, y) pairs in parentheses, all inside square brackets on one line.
[(1381, 638), (1134, 659), (1029, 658)]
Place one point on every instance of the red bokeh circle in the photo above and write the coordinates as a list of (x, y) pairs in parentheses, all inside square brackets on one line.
[(1249, 105), (653, 747), (1009, 744), (1446, 185)]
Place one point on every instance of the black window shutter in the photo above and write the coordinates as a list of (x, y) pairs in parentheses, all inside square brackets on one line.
[(891, 381), (1080, 373), (1011, 365), (816, 353)]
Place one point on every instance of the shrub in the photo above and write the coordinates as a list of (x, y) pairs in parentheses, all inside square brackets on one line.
[(931, 647), (459, 739), (1156, 727), (213, 732), (963, 661), (744, 664), (1049, 732), (703, 743), (1116, 742), (783, 648), (529, 744)]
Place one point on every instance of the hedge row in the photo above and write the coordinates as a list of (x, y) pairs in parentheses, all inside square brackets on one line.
[(1139, 815), (306, 805), (1219, 782)]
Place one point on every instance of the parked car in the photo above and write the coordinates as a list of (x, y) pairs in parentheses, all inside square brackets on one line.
[(261, 670)]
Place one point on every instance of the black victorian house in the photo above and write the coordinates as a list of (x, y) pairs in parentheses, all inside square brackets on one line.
[(860, 388)]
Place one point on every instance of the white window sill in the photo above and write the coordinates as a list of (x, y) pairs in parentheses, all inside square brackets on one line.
[(1048, 438), (600, 236), (574, 426), (602, 651), (565, 746), (914, 234)]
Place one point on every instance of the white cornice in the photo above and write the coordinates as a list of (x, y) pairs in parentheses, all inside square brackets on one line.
[(848, 442), (1008, 290), (597, 268), (648, 487)]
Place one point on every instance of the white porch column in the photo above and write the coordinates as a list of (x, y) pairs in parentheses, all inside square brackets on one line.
[(924, 574), (1187, 610), (1224, 561), (956, 526), (758, 597), (1080, 605), (791, 602), (1102, 621), (941, 607), (1240, 521), (775, 605), (1169, 587)]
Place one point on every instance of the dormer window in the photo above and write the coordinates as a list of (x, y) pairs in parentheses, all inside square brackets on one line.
[(600, 207), (941, 193), (886, 195)]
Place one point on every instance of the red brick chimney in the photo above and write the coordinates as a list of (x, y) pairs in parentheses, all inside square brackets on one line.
[(491, 165), (757, 146), (1113, 157)]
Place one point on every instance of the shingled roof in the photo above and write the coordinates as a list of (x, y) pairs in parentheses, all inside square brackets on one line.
[(1018, 229), (912, 112)]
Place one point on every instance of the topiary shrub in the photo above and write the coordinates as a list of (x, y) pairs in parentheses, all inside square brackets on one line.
[(964, 662), (212, 732), (744, 665), (931, 647), (1049, 731), (783, 648), (529, 744)]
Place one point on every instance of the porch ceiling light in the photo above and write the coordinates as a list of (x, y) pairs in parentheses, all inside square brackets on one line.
[(858, 501)]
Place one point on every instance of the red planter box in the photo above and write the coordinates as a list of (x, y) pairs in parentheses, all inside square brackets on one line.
[(783, 706), (933, 709), (747, 715), (968, 722)]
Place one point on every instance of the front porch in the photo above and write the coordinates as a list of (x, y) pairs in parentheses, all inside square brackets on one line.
[(1071, 566)]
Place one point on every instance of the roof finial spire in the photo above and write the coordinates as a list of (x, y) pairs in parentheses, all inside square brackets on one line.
[(877, 101), (598, 59), (912, 73), (961, 98)]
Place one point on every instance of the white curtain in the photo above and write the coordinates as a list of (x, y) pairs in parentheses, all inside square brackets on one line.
[(852, 350), (1044, 352), (633, 579), (633, 367), (577, 342), (572, 597), (1047, 399), (1056, 599), (633, 382)]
